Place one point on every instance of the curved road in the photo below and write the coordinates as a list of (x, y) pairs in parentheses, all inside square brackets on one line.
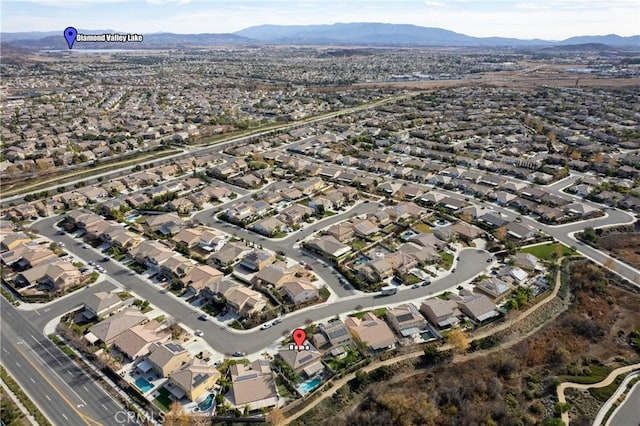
[(226, 340)]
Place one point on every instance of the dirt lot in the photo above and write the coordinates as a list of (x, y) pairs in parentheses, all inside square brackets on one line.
[(625, 246), (506, 386)]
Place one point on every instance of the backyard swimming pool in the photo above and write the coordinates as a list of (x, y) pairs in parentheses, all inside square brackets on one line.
[(309, 385), (362, 259), (143, 384), (207, 403)]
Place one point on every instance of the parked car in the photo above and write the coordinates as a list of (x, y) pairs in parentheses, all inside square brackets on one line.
[(203, 317), (239, 354), (276, 321), (198, 333), (415, 286), (265, 326)]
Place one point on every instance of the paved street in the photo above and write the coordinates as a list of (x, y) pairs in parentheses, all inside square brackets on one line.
[(65, 394), (628, 414), (226, 340)]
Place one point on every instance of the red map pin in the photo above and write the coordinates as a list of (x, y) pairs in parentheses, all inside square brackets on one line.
[(299, 336)]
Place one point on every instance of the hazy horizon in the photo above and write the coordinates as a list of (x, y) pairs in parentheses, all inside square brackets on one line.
[(547, 20)]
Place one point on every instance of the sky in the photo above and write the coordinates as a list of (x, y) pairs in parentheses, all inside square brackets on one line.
[(526, 19)]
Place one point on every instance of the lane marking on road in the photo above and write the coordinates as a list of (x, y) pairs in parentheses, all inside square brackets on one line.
[(47, 396), (85, 388), (33, 381), (105, 407), (45, 349), (88, 420), (57, 375), (18, 364)]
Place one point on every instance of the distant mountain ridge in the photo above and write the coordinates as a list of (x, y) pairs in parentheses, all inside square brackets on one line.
[(404, 34), (364, 33)]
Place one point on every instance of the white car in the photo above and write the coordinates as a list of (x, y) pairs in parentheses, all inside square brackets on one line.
[(198, 333), (265, 326)]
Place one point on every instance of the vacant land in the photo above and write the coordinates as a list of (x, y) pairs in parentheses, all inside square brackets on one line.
[(625, 246), (507, 386)]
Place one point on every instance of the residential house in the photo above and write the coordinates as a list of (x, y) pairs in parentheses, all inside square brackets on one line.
[(494, 288), (307, 361), (375, 271), (151, 253), (478, 307), (135, 342), (300, 291), (268, 226), (167, 357), (520, 231), (406, 320), (526, 261), (55, 276), (294, 214), (245, 301), (341, 231), (257, 259), (371, 331), (332, 335), (101, 303), (107, 330), (201, 276), (328, 246), (275, 275), (229, 254), (12, 240), (176, 266), (365, 228), (195, 378), (441, 313), (253, 385)]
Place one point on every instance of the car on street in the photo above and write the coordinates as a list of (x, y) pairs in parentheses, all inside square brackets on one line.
[(203, 317), (238, 354), (198, 333), (276, 321), (453, 270), (60, 244), (106, 259), (489, 260), (458, 258), (265, 326), (426, 283), (415, 286), (92, 263), (84, 246)]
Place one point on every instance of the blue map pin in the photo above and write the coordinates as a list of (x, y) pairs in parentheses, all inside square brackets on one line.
[(70, 35)]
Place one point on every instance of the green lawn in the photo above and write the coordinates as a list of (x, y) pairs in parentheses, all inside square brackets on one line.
[(444, 296), (412, 279), (545, 251), (598, 373), (603, 394), (338, 364), (380, 312), (446, 260), (358, 244), (422, 227), (163, 401)]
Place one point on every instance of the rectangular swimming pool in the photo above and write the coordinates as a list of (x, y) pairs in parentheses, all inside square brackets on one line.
[(143, 384)]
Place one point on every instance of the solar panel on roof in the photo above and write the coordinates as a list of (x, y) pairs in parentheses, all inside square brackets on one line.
[(247, 377), (305, 359)]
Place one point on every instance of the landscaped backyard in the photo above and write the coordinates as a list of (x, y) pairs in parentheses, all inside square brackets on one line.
[(163, 401)]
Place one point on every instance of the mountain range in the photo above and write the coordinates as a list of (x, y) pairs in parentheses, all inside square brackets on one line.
[(365, 34)]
